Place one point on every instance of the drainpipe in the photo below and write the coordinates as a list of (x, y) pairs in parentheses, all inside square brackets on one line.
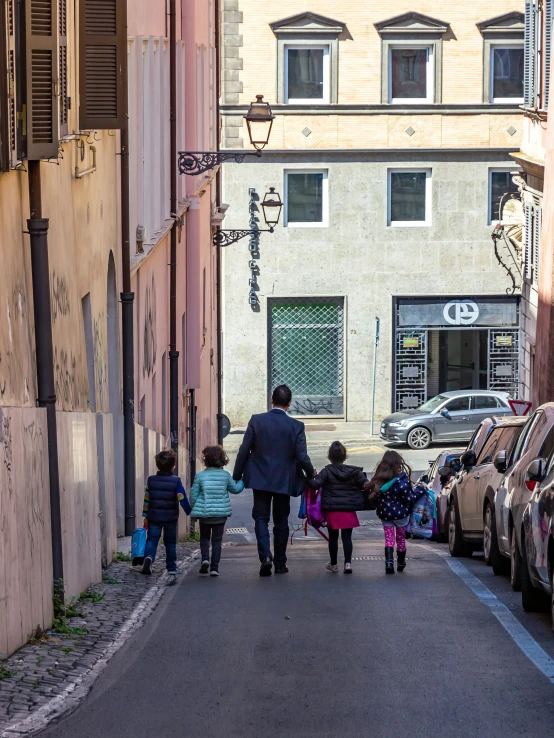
[(218, 254), (38, 231), (173, 353), (127, 330)]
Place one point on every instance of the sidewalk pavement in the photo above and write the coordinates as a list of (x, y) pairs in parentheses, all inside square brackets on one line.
[(37, 680), (322, 432)]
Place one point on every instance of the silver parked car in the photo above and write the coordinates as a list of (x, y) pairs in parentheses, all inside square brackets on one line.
[(515, 492), (450, 416)]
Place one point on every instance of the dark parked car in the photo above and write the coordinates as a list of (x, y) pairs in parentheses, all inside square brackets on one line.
[(450, 416)]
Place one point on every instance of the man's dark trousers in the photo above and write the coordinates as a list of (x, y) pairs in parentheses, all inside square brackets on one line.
[(261, 512)]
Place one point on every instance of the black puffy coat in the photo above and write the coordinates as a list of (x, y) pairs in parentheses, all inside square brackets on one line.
[(343, 487)]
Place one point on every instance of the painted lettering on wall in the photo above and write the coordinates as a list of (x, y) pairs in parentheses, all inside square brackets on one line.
[(150, 338), (59, 296)]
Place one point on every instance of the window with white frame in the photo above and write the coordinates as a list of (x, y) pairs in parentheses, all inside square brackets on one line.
[(307, 74), (501, 188), (411, 74), (306, 202), (506, 80), (409, 197)]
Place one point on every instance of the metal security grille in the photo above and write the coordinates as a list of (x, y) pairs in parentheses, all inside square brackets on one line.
[(306, 352), (411, 369), (504, 361)]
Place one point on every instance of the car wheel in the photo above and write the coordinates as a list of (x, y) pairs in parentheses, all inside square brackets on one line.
[(515, 563), (500, 564), (532, 599), (419, 438), (456, 544)]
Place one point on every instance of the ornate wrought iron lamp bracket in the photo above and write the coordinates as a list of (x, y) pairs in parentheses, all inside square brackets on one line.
[(227, 238), (197, 162)]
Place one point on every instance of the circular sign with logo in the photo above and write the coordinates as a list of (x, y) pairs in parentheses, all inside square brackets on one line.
[(461, 312)]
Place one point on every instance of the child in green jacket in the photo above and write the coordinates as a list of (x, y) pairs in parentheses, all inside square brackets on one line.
[(210, 501)]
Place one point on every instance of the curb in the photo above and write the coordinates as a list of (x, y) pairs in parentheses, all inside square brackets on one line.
[(79, 687)]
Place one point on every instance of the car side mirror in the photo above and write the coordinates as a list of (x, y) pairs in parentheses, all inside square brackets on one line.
[(445, 413), (500, 462), (535, 470), (468, 459), (424, 479)]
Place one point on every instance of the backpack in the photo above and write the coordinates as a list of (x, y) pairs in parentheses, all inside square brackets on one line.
[(423, 517), (314, 513)]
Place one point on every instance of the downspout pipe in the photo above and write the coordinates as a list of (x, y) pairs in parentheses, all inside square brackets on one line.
[(218, 254), (38, 231), (127, 328), (173, 353)]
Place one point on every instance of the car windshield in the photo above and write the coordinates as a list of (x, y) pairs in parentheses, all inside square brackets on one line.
[(432, 404)]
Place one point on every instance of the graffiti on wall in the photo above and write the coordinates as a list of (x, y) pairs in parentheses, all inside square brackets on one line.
[(100, 368), (59, 297), (6, 448), (66, 378), (150, 338), (15, 348)]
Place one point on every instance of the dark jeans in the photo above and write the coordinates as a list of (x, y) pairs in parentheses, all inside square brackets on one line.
[(213, 532), (261, 513), (170, 542), (346, 535)]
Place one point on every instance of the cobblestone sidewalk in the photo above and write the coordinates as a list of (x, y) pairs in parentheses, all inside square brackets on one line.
[(40, 672)]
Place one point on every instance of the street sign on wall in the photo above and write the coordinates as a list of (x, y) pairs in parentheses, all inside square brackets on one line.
[(520, 407)]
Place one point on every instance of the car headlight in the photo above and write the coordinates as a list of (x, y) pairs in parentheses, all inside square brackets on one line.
[(399, 424)]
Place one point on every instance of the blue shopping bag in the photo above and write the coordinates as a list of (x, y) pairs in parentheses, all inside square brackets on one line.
[(138, 544)]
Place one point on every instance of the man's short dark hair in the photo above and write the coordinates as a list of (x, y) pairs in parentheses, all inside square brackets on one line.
[(337, 453), (281, 396), (165, 461)]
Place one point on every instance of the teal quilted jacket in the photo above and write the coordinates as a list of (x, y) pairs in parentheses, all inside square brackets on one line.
[(209, 495)]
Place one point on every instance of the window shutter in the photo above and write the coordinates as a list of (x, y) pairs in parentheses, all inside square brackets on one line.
[(102, 64), (529, 51), (537, 223), (4, 86), (42, 78), (547, 51), (62, 40), (528, 241)]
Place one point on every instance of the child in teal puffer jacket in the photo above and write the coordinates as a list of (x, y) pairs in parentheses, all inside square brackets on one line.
[(210, 501)]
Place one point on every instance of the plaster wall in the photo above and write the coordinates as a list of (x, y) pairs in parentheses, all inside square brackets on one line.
[(358, 257)]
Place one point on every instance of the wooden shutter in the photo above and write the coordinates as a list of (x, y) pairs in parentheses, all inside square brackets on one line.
[(537, 227), (42, 78), (102, 64), (547, 52), (4, 90), (62, 41), (528, 212), (529, 50)]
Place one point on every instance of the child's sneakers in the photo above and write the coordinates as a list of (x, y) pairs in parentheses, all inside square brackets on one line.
[(332, 567), (348, 568), (204, 567)]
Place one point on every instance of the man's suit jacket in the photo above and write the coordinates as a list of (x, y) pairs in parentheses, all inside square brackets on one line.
[(273, 454)]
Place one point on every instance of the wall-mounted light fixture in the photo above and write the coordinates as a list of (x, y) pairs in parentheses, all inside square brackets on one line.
[(259, 120), (271, 206)]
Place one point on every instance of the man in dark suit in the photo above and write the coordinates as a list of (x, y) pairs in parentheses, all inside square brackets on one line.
[(271, 461)]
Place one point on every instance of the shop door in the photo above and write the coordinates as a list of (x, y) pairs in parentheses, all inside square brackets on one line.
[(463, 360), (306, 352)]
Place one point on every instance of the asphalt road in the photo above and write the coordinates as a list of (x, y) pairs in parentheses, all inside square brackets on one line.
[(311, 653)]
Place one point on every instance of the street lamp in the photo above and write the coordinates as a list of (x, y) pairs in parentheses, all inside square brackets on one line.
[(259, 121), (271, 206)]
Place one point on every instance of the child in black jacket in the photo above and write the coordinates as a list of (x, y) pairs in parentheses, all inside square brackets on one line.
[(343, 494)]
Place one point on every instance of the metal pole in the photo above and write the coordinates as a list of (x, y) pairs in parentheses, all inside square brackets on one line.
[(127, 336), (38, 230), (375, 345), (173, 353)]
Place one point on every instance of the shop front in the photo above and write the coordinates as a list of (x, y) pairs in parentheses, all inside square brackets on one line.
[(454, 343)]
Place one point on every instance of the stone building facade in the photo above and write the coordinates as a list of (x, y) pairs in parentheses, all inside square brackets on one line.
[(391, 163)]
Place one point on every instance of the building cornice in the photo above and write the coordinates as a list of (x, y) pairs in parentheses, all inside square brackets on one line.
[(321, 154), (381, 109)]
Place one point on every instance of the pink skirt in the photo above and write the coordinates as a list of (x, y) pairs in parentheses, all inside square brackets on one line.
[(340, 520)]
